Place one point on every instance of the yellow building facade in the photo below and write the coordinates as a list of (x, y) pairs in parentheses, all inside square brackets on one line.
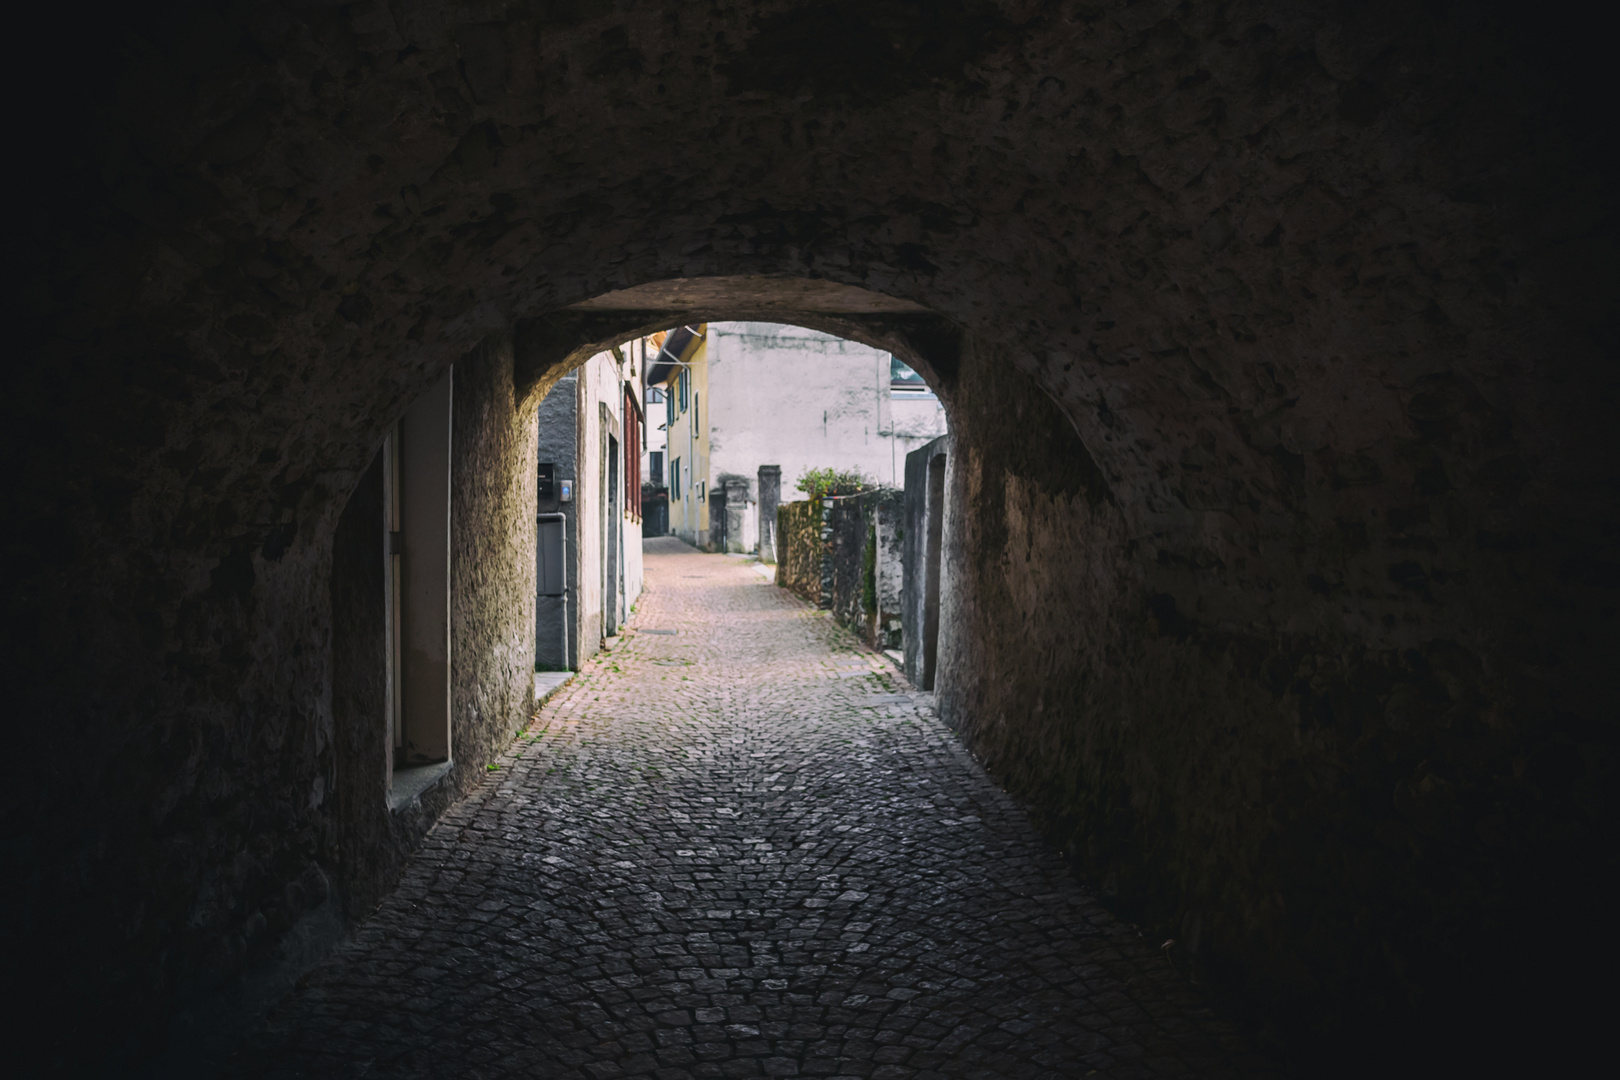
[(682, 370)]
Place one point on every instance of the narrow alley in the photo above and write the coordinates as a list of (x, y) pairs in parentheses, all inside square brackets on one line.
[(736, 846), (1208, 409)]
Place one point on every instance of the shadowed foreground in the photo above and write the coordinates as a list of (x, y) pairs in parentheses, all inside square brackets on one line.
[(740, 850)]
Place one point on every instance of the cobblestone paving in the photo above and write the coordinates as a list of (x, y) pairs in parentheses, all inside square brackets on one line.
[(743, 849)]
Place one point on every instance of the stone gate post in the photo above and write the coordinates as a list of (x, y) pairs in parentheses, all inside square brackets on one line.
[(770, 496)]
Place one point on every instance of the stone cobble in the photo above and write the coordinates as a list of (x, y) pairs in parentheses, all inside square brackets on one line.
[(743, 849)]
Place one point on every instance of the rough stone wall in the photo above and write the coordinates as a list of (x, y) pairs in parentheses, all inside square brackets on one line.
[(1325, 290), (865, 528), (844, 562), (890, 522), (801, 551), (914, 556), (1321, 812), (492, 560)]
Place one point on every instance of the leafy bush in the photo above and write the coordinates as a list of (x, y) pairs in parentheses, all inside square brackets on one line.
[(822, 483)]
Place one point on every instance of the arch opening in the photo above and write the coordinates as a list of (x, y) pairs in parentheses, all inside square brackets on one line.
[(550, 345), (787, 400)]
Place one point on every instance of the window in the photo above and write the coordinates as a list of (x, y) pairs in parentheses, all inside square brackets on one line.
[(683, 382), (655, 395), (695, 411), (655, 468), (903, 380), (632, 456), (675, 478)]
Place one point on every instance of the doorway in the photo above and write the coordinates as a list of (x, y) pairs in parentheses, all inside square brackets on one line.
[(717, 519), (416, 510)]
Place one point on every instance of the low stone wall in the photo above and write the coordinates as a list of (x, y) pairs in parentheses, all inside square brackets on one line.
[(920, 619), (800, 549), (845, 555), (863, 564)]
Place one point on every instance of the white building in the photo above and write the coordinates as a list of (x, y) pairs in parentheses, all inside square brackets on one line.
[(591, 428), (803, 400), (610, 486)]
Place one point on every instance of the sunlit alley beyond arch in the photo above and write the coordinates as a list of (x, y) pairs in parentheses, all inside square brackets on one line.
[(1246, 708)]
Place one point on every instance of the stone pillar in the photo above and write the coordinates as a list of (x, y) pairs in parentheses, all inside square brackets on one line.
[(770, 496), (736, 489), (922, 559)]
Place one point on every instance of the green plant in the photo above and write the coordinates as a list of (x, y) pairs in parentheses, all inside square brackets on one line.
[(822, 483)]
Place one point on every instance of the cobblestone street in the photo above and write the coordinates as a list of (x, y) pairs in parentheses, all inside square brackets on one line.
[(738, 845)]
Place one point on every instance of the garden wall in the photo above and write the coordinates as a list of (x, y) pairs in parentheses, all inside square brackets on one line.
[(863, 553), (800, 548)]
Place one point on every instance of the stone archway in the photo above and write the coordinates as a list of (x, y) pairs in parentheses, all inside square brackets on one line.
[(551, 344), (1276, 339)]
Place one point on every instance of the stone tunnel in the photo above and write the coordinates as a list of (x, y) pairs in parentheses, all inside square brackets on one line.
[(1277, 340)]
